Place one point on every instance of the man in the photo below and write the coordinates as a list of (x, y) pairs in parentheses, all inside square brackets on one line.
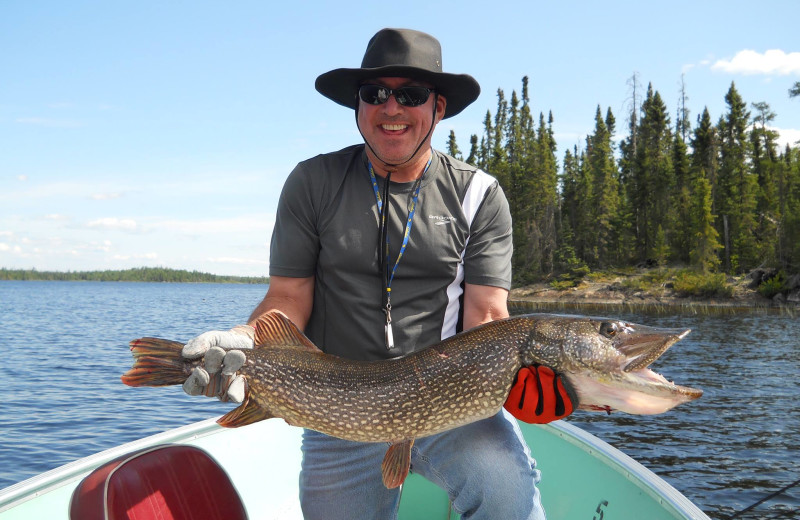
[(385, 248)]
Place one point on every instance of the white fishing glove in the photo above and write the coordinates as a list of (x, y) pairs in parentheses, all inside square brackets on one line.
[(222, 358)]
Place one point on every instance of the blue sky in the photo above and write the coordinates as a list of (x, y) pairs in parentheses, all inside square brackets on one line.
[(160, 133)]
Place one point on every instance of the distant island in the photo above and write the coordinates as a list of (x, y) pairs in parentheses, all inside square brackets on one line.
[(137, 274)]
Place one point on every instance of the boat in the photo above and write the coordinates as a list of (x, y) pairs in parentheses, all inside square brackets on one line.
[(583, 477)]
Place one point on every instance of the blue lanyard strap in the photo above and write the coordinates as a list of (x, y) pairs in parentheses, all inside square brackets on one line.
[(383, 254)]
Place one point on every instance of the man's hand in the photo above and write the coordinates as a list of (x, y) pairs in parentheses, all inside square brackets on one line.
[(223, 356), (540, 396)]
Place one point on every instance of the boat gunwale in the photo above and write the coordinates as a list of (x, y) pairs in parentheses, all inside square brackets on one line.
[(55, 478), (635, 472)]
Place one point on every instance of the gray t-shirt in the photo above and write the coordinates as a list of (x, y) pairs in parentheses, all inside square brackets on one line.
[(327, 226)]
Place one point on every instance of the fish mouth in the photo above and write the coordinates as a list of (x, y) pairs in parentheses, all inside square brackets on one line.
[(617, 377), (642, 345)]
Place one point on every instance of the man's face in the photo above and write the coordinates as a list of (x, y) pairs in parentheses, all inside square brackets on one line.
[(394, 131)]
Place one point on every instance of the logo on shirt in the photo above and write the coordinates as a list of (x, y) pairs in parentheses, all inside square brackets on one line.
[(441, 220)]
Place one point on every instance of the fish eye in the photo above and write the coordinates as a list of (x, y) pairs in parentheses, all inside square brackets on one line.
[(608, 329)]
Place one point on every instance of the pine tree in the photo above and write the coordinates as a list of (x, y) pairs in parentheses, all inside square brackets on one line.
[(518, 179), (652, 175), (736, 193), (703, 254), (789, 229), (704, 166), (452, 147), (543, 193), (705, 152), (682, 124), (765, 165), (582, 227), (474, 151), (635, 104), (602, 170), (569, 180), (795, 90), (679, 219), (487, 143), (764, 146), (660, 250)]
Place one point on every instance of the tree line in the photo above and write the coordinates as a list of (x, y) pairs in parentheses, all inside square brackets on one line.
[(719, 197), (139, 274)]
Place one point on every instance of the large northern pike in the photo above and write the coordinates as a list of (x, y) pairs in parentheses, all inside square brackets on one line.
[(462, 379)]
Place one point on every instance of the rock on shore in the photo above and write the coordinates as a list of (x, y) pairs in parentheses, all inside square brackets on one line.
[(618, 289)]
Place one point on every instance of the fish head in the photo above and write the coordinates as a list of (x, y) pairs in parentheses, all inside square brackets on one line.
[(606, 361)]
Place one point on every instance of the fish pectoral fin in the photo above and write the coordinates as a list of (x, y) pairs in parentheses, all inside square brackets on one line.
[(276, 330), (247, 413), (396, 463)]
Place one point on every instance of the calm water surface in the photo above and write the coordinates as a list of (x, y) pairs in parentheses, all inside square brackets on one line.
[(63, 346)]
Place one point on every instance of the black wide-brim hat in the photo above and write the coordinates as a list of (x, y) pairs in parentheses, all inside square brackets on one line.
[(401, 53)]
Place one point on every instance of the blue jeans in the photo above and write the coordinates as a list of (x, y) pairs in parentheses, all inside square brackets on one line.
[(485, 467)]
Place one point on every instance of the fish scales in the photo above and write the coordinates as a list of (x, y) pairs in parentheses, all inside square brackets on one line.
[(418, 395), (460, 380)]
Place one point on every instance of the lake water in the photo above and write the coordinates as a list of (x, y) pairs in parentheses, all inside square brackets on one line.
[(63, 346)]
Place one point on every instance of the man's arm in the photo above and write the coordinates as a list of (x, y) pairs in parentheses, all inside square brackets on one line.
[(484, 303), (294, 297)]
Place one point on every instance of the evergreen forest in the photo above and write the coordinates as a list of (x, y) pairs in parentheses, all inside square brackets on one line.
[(138, 274), (714, 196)]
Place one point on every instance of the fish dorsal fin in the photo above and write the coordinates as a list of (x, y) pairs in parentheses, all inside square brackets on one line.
[(275, 330), (247, 413), (396, 463)]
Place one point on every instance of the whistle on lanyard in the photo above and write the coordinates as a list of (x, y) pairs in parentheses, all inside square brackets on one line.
[(388, 327)]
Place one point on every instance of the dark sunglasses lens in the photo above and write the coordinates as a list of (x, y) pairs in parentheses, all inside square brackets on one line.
[(412, 96), (373, 94), (406, 96)]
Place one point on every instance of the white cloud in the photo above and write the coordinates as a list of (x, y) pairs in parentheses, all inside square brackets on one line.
[(238, 261), (114, 223), (56, 217), (14, 249), (145, 256), (104, 246), (229, 225), (105, 196), (773, 61), (59, 190), (788, 136), (22, 178)]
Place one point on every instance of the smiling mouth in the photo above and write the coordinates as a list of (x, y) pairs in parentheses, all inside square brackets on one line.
[(393, 127)]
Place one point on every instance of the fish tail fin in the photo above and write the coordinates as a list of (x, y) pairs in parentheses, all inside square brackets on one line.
[(157, 362)]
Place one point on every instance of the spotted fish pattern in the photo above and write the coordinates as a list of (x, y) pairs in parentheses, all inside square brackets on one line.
[(460, 380)]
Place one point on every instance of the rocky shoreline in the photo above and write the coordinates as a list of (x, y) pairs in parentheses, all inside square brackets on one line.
[(615, 290)]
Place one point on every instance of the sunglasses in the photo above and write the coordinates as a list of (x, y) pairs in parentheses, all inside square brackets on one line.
[(406, 96)]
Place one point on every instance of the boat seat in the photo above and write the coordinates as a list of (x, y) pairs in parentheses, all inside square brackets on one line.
[(165, 482)]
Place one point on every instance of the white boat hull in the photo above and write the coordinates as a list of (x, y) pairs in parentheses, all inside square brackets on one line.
[(583, 477)]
